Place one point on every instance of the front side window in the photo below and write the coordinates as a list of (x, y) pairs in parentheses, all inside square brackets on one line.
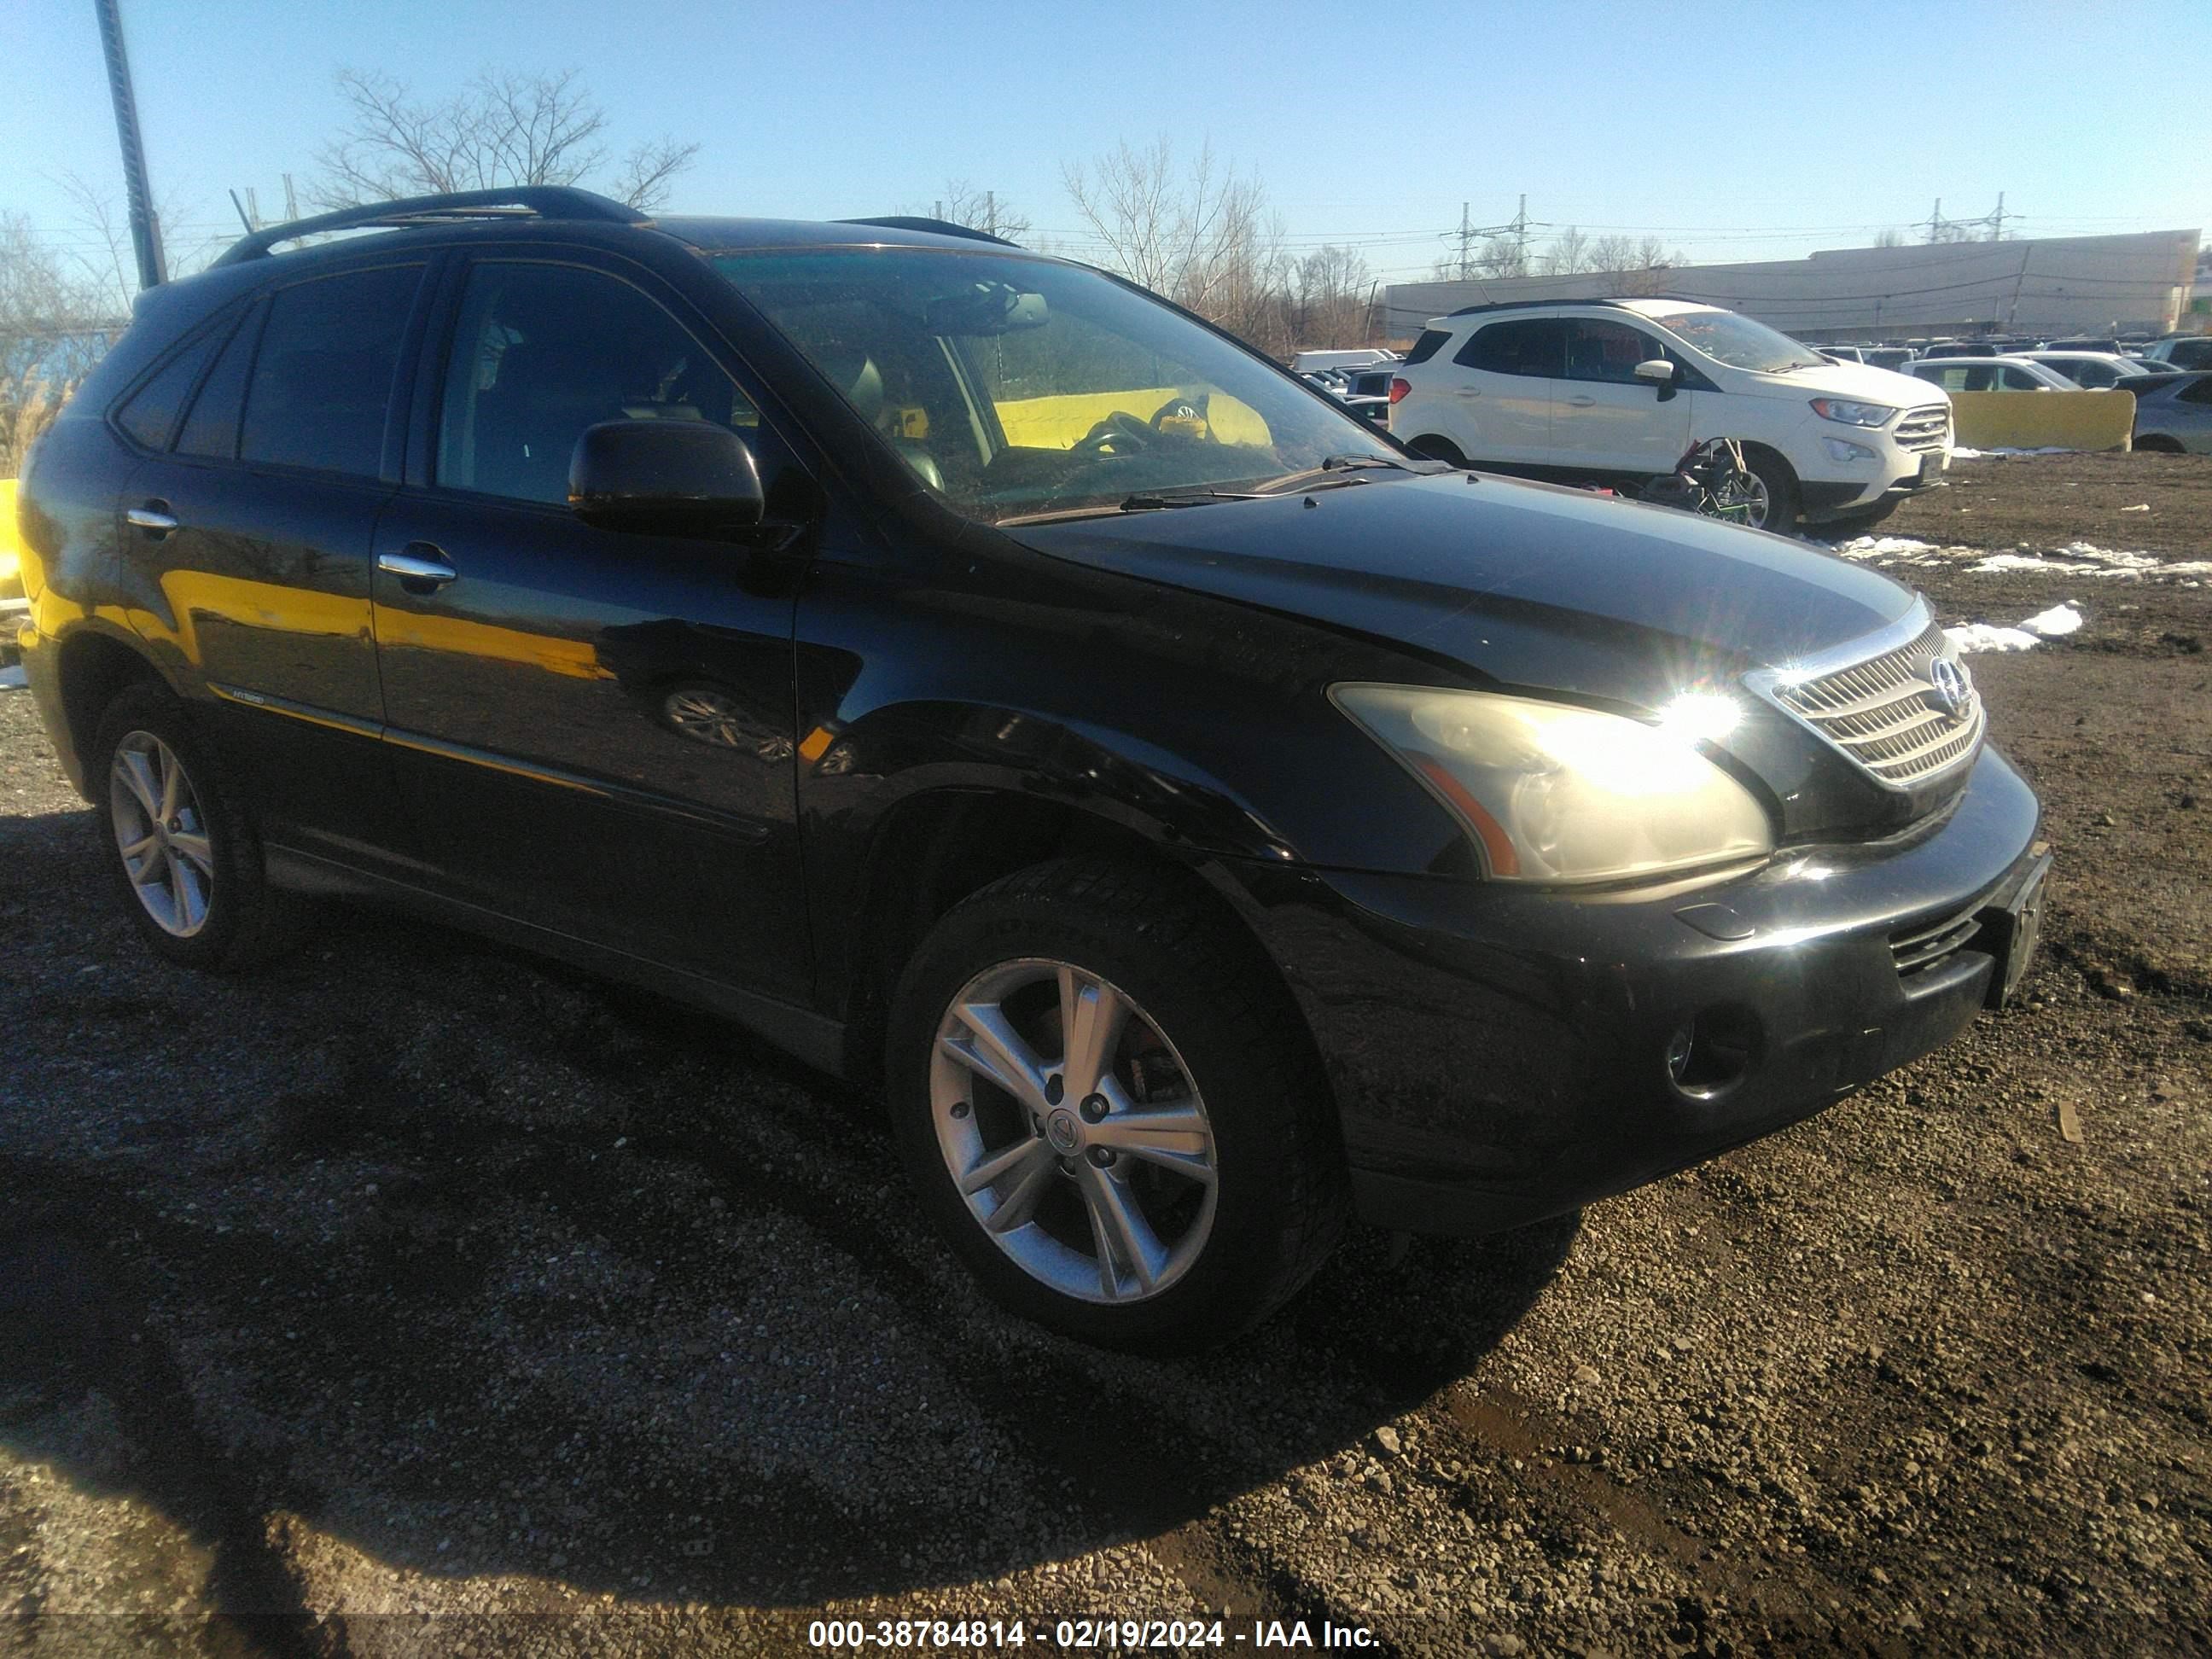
[(1608, 352), (544, 351), (322, 378), (1013, 386), (1534, 348)]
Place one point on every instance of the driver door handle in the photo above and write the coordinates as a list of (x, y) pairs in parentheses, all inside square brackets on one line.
[(421, 567), (153, 517)]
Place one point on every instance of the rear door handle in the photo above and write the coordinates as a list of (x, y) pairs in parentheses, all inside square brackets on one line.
[(153, 517), (1582, 403), (421, 567)]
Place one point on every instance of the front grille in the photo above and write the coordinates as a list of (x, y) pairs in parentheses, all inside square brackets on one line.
[(1887, 713), (1929, 944), (1924, 429)]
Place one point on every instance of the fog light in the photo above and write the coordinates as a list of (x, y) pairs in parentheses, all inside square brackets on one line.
[(1844, 452), (1709, 1055)]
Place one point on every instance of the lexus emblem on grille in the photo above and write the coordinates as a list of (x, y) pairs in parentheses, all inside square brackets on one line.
[(1947, 686)]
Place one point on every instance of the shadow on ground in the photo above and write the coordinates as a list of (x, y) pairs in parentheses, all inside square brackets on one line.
[(486, 1269)]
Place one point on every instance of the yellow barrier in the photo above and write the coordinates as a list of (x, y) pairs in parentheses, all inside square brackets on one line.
[(2043, 420), (1057, 423)]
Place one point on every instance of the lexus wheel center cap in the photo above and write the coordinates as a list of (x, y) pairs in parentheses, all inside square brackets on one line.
[(1064, 1131)]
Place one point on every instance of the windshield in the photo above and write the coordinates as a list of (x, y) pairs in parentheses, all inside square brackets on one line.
[(1739, 343), (1013, 386)]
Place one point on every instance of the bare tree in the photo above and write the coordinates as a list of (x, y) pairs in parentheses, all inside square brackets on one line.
[(1192, 232), (1889, 238), (1333, 294), (1631, 265), (982, 210), (503, 128), (1569, 252), (54, 325)]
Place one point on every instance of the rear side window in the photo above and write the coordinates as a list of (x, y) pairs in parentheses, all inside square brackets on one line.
[(149, 414), (323, 376), (1535, 346), (2197, 392), (211, 430), (1427, 346)]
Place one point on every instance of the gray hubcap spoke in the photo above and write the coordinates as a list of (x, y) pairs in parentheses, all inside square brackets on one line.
[(1074, 1131), (990, 1045), (1127, 1244), (160, 833), (1092, 1014)]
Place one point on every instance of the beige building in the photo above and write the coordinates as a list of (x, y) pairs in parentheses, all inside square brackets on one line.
[(2049, 286)]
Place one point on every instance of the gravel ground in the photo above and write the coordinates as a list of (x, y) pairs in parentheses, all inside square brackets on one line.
[(333, 1321)]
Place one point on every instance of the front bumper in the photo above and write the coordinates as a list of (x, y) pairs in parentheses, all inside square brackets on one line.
[(1500, 1055)]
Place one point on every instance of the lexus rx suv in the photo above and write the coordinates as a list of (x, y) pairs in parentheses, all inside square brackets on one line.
[(1617, 390), (1201, 821)]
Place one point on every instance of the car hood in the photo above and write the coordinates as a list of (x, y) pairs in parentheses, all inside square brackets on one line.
[(1517, 584), (1861, 380)]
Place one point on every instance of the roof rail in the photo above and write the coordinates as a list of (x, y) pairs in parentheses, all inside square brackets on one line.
[(516, 201), (941, 227), (1621, 300)]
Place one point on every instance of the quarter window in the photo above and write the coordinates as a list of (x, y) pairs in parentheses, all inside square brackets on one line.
[(323, 378), (211, 430), (150, 415), (1535, 347), (542, 352)]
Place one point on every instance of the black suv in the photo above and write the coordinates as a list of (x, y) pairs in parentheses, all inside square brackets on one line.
[(1202, 820)]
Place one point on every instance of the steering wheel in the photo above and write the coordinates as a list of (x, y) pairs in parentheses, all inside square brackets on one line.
[(1119, 432)]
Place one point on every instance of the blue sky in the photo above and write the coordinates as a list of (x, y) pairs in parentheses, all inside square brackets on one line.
[(1730, 132)]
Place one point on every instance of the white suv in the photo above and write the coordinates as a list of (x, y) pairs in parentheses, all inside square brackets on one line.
[(1601, 391)]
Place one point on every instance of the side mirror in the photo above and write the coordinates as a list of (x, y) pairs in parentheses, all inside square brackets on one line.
[(676, 477), (1657, 370)]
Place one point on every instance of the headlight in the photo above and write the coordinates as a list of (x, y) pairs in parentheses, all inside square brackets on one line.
[(1852, 414), (1555, 793)]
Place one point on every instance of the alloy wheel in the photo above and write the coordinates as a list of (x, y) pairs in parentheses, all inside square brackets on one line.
[(161, 834), (1074, 1131)]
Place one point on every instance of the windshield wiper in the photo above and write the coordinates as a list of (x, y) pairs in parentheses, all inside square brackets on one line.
[(1348, 463), (1149, 501)]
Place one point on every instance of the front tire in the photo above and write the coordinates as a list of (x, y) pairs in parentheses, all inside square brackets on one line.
[(1111, 1108), (1774, 499), (183, 851)]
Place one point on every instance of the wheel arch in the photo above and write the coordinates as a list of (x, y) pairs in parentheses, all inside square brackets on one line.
[(938, 846), (92, 664)]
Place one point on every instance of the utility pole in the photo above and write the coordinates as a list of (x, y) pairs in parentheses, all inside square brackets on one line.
[(1520, 240), (291, 202), (145, 227), (991, 211), (1934, 220)]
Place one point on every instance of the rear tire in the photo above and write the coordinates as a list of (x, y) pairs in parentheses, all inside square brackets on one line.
[(1429, 446), (184, 852), (2157, 443), (1237, 1202)]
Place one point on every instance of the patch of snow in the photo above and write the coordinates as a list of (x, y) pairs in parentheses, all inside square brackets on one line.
[(2055, 623), (2140, 507), (13, 679), (1867, 547), (1981, 636), (2047, 450), (1959, 454)]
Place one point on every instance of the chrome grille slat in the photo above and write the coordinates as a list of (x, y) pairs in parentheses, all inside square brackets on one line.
[(1923, 429), (1883, 713)]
